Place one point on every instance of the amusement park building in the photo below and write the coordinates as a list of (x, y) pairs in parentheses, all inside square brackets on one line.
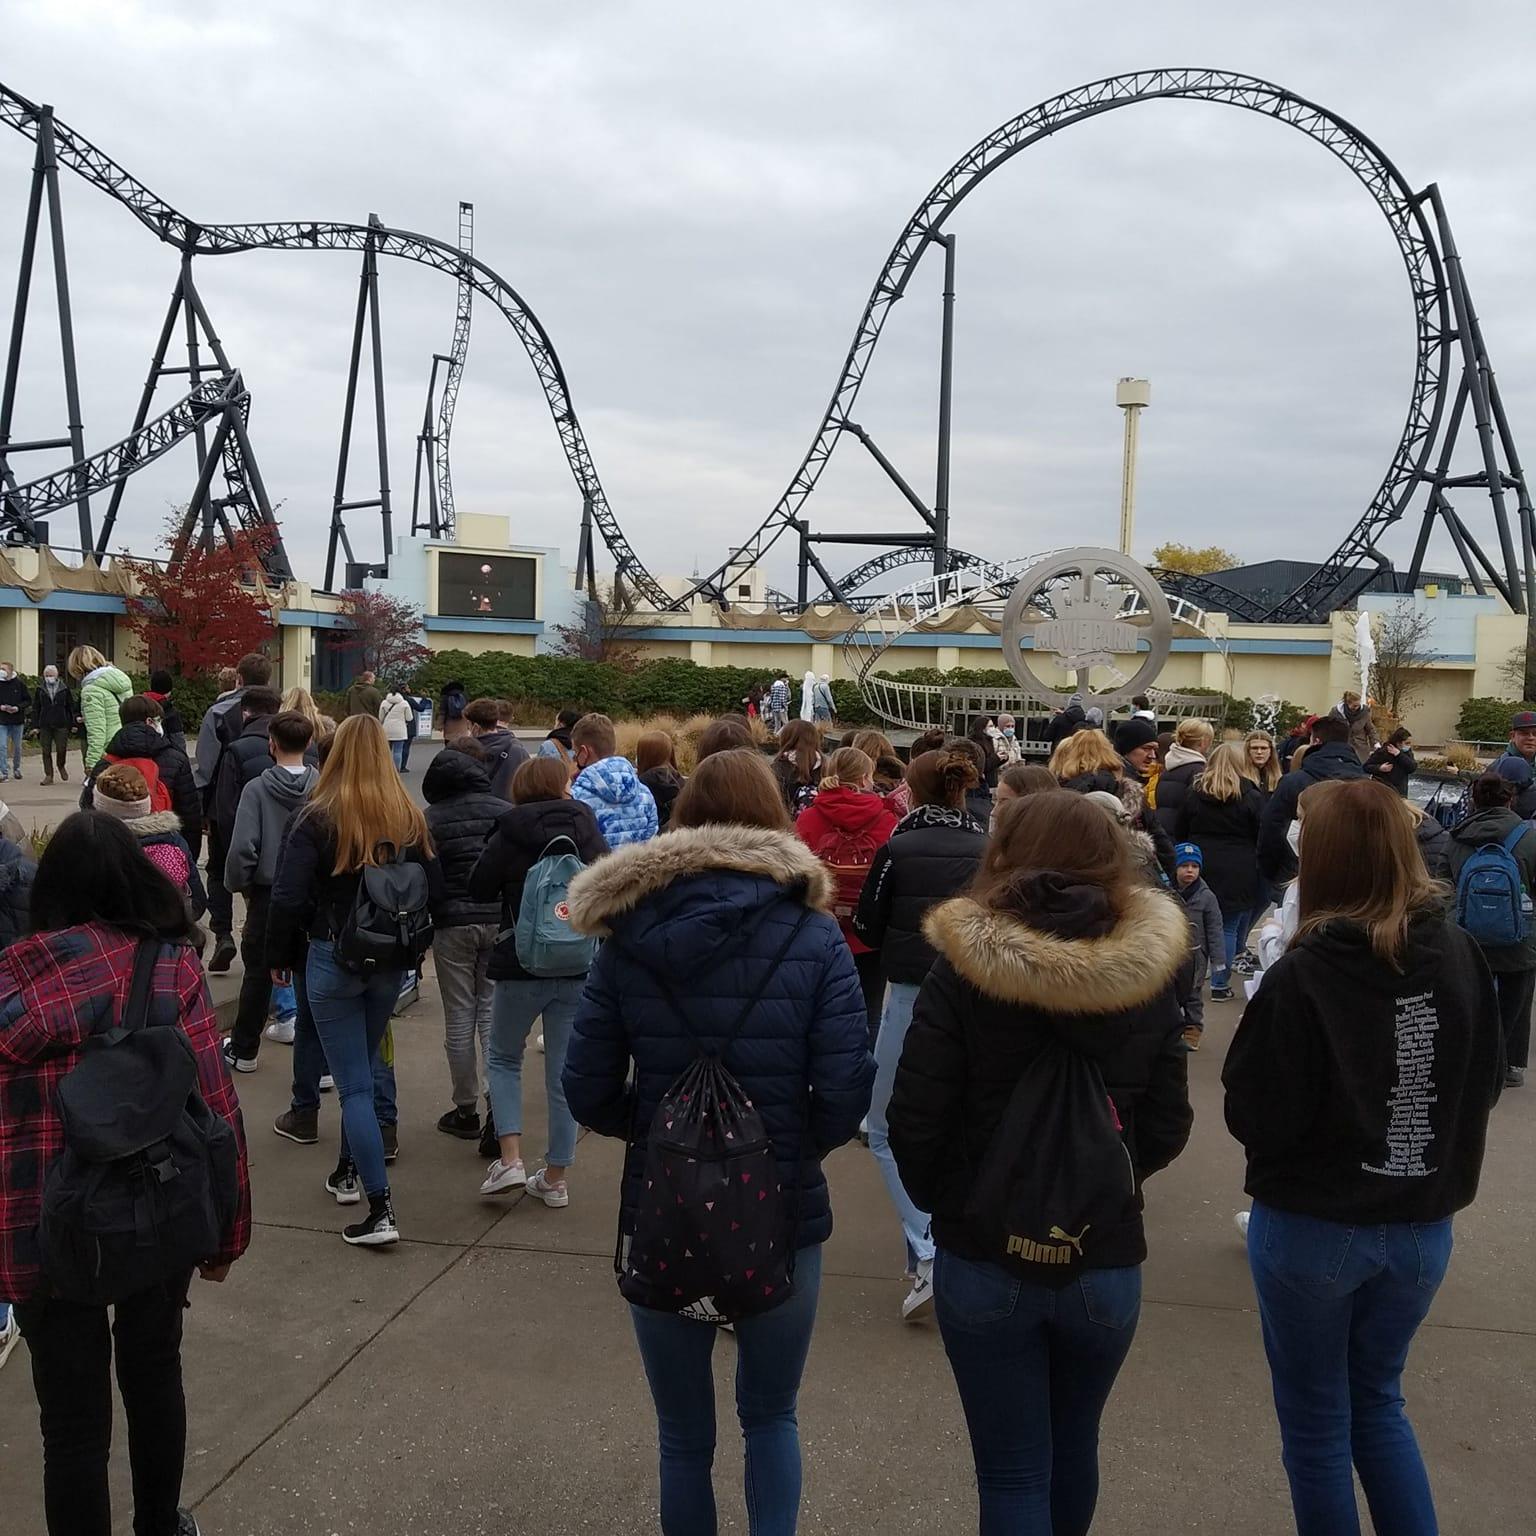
[(481, 592)]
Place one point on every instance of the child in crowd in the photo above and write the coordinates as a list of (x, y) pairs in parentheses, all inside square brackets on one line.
[(1205, 929), (123, 792)]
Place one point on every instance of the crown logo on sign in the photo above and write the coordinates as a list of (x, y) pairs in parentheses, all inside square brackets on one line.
[(1091, 600)]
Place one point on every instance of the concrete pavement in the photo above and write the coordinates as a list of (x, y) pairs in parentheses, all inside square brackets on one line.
[(481, 1377)]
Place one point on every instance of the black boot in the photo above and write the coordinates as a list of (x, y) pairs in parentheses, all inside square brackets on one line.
[(489, 1145), (377, 1228)]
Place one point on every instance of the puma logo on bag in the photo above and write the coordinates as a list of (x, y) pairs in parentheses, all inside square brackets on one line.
[(1032, 1252)]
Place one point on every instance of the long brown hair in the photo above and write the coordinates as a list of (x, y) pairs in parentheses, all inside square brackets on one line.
[(1062, 834), (731, 788), (1360, 864), (801, 740), (655, 749), (359, 794)]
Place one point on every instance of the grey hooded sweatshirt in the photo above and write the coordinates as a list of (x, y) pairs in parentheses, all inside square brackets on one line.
[(267, 804)]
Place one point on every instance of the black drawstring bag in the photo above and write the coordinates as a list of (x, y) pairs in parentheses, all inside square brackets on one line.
[(710, 1237)]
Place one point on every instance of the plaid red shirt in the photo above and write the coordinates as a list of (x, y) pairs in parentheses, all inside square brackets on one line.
[(56, 989)]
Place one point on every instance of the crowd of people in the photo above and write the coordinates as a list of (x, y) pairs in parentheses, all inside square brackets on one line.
[(958, 955)]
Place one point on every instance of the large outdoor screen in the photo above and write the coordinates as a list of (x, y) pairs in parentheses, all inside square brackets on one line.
[(488, 586)]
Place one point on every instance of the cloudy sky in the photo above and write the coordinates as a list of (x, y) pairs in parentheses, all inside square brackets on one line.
[(695, 199)]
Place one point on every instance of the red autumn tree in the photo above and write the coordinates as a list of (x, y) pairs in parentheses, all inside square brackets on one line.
[(205, 611), (383, 633)]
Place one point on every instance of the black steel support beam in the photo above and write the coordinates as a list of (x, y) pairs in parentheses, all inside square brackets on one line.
[(371, 268), (895, 474)]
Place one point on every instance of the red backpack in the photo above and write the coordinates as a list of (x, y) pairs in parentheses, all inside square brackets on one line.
[(159, 795), (848, 855)]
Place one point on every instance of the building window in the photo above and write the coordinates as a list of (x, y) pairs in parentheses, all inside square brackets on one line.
[(488, 586), (58, 633), (744, 589)]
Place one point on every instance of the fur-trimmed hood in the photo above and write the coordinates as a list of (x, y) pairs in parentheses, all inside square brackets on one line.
[(618, 884), (1005, 959), (156, 824)]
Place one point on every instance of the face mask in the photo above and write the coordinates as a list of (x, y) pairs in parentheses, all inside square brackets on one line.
[(1008, 732), (1293, 837), (158, 727), (50, 677)]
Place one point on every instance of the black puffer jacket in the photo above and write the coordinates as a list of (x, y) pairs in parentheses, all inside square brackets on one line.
[(245, 759), (933, 853), (308, 900), (665, 785), (461, 814), (516, 844), (1331, 760), (1065, 724), (172, 766), (1173, 788), (709, 912), (1227, 833), (1002, 993)]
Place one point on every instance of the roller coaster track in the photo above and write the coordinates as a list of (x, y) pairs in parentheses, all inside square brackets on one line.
[(213, 398), (1335, 583)]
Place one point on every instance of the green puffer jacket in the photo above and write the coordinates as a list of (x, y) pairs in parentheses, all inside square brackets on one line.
[(102, 692)]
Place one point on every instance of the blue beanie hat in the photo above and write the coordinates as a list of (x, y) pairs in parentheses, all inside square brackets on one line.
[(1514, 768), (1189, 853)]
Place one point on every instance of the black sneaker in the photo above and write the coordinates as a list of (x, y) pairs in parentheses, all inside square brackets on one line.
[(1514, 1077), (490, 1143), (223, 954), (185, 1524), (377, 1229), (237, 1063), (463, 1123), (1221, 994), (1246, 963), (300, 1125), (391, 1135), (342, 1182)]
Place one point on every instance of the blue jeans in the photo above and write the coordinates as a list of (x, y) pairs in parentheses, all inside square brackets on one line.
[(10, 747), (284, 1002), (770, 1359), (309, 1065), (1340, 1306), (399, 751), (1234, 929), (895, 1020), (1035, 1367), (514, 1007), (351, 1014)]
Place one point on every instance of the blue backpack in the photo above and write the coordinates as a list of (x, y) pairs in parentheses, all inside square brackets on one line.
[(547, 945), (1491, 900)]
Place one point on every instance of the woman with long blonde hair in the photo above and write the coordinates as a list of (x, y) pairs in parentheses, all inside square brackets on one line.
[(1083, 754), (1221, 814), (1184, 764), (302, 702), (1261, 762), (357, 817), (1360, 1083)]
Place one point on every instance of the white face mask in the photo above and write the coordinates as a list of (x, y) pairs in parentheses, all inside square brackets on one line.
[(1293, 837), (158, 727)]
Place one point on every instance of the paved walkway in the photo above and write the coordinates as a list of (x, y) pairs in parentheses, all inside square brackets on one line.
[(481, 1378)]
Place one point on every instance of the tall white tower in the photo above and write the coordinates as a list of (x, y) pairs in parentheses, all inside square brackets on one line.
[(1132, 396)]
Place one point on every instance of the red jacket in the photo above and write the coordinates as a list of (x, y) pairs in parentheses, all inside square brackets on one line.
[(838, 817), (55, 990)]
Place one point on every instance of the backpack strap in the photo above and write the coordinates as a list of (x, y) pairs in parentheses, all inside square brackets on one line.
[(1515, 834), (135, 1014)]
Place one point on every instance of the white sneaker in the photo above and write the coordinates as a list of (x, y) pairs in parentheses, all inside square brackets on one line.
[(553, 1194), (538, 1043), (327, 1082), (919, 1300), (8, 1337), (280, 1030), (500, 1177), (1240, 1221)]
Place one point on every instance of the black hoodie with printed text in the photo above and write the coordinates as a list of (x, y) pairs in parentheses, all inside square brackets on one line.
[(1361, 1094)]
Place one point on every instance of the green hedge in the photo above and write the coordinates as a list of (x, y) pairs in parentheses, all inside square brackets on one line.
[(1486, 719)]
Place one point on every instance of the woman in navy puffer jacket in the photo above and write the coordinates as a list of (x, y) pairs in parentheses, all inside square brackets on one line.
[(708, 907)]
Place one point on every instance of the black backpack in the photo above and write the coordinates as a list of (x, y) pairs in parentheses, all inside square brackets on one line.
[(389, 926), (710, 1236), (148, 1184), (1055, 1193)]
